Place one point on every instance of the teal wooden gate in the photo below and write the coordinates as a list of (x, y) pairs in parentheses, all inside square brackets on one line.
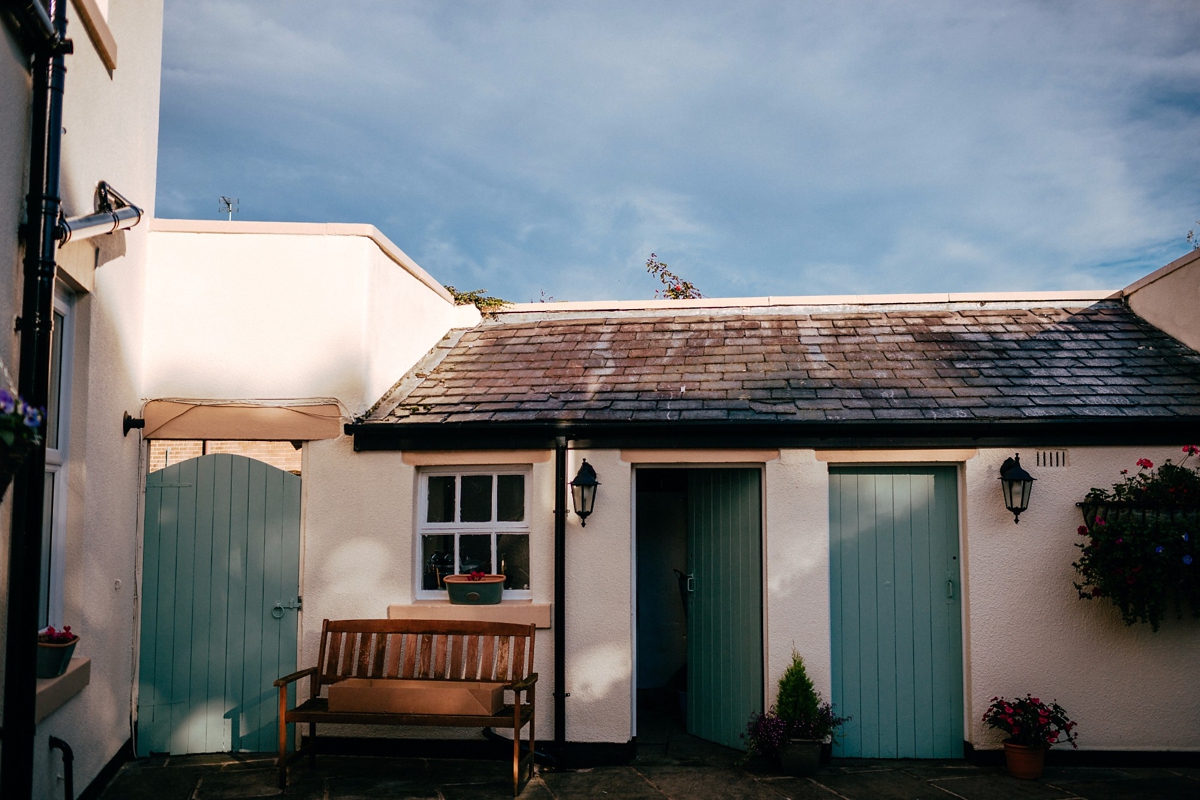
[(220, 581), (725, 646), (897, 622)]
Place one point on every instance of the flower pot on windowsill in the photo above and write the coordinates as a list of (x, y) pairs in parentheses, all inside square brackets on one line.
[(1023, 761), (800, 757), (53, 659), (485, 590)]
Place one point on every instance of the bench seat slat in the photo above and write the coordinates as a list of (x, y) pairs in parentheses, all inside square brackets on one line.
[(472, 671), (392, 667), (410, 656), (317, 710)]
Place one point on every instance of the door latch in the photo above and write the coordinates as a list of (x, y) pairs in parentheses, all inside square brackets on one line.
[(277, 611), (691, 583)]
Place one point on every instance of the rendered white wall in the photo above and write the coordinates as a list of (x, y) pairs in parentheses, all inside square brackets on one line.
[(797, 568), (360, 550), (1167, 299), (111, 134), (1128, 688), (285, 314)]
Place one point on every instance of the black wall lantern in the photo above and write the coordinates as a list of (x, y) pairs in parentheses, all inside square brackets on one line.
[(1017, 485), (583, 491)]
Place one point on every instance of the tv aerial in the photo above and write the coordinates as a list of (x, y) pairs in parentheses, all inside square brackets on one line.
[(228, 205)]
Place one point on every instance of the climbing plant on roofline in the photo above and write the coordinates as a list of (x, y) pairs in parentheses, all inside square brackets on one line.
[(1140, 550)]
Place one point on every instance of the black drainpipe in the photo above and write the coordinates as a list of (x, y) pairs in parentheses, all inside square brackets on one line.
[(25, 550), (68, 766), (560, 597)]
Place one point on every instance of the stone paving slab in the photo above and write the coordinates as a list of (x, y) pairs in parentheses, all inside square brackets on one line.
[(695, 776)]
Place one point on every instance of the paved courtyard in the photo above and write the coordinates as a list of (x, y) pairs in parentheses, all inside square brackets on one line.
[(651, 777)]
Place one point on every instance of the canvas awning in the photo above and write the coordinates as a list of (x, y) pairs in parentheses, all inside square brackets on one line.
[(241, 421)]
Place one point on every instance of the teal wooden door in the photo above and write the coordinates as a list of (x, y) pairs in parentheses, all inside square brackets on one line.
[(220, 581), (725, 666), (897, 622)]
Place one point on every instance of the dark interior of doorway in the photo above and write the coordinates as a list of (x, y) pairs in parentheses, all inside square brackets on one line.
[(662, 558)]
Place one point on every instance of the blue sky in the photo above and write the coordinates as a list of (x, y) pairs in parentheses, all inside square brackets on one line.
[(759, 148)]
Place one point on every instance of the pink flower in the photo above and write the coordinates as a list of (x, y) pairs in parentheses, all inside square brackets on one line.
[(1145, 463), (1191, 449), (1082, 530)]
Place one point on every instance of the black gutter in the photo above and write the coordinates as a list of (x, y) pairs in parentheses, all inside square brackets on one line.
[(560, 598), (25, 547), (727, 434)]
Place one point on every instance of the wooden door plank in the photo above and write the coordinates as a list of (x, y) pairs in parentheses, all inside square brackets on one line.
[(203, 716), (185, 577), (150, 693), (905, 712)]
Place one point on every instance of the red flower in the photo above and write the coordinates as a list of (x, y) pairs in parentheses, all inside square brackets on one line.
[(1145, 463), (1082, 530), (1191, 449)]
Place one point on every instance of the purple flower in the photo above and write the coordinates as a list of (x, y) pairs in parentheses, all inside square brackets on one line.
[(1185, 537), (1187, 560), (33, 417), (1158, 549), (8, 403)]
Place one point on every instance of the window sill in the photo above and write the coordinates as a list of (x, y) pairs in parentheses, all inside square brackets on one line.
[(53, 693), (522, 612)]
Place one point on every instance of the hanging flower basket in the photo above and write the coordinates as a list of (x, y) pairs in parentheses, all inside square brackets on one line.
[(20, 435), (1140, 549)]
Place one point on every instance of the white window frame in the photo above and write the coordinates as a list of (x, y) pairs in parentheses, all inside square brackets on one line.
[(57, 459), (456, 529)]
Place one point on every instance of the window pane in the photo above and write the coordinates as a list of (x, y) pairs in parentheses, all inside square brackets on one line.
[(512, 549), (474, 553), (510, 498), (54, 397), (47, 545), (441, 499), (476, 498), (437, 560)]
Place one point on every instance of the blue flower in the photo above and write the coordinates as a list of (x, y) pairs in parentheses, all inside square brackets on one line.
[(33, 417), (1185, 537), (1187, 559), (1158, 549)]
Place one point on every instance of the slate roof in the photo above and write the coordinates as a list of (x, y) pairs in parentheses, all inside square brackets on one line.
[(957, 361)]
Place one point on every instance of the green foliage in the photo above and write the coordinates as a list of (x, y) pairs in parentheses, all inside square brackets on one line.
[(487, 305), (675, 288), (798, 699), (1030, 722), (1140, 547)]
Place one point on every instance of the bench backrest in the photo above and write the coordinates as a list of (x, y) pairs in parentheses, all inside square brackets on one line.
[(424, 649)]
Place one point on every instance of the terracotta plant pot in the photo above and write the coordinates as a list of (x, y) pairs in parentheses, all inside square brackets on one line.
[(54, 658), (486, 591), (1023, 761), (800, 757)]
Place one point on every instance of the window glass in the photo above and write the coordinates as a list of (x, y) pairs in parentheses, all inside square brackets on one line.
[(437, 560), (512, 551), (510, 498), (441, 499), (475, 553), (476, 498), (54, 395), (47, 548)]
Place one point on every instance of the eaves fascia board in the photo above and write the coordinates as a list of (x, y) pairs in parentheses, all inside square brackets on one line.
[(376, 436), (385, 244), (1161, 273)]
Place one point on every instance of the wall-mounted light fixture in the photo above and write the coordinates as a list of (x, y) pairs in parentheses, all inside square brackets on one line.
[(1017, 485), (583, 491), (128, 423)]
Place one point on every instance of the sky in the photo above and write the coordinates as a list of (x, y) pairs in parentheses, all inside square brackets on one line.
[(543, 150)]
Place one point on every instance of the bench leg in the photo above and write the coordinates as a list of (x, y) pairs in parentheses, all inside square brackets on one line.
[(282, 737), (312, 745)]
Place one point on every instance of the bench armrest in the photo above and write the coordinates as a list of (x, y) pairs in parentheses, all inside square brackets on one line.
[(523, 685), (295, 676)]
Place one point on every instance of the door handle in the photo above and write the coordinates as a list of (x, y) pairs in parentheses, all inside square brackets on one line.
[(691, 583), (949, 587), (277, 611)]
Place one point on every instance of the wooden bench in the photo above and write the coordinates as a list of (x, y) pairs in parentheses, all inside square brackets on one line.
[(433, 650)]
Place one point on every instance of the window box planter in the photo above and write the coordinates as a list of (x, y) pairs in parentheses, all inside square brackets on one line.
[(484, 591)]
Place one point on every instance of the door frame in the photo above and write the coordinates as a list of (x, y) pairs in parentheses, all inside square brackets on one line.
[(912, 458), (635, 467)]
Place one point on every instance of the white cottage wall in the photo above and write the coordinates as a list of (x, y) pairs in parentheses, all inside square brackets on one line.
[(247, 310), (797, 569), (1128, 688), (360, 548), (111, 134)]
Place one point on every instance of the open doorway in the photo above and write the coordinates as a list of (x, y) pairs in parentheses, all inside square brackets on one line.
[(699, 602)]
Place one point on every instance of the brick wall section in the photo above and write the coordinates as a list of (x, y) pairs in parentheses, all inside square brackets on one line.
[(277, 454)]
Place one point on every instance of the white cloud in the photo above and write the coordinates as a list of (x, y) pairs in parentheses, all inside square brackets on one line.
[(546, 146)]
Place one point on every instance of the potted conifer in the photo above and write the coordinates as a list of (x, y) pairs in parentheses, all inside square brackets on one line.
[(795, 728)]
